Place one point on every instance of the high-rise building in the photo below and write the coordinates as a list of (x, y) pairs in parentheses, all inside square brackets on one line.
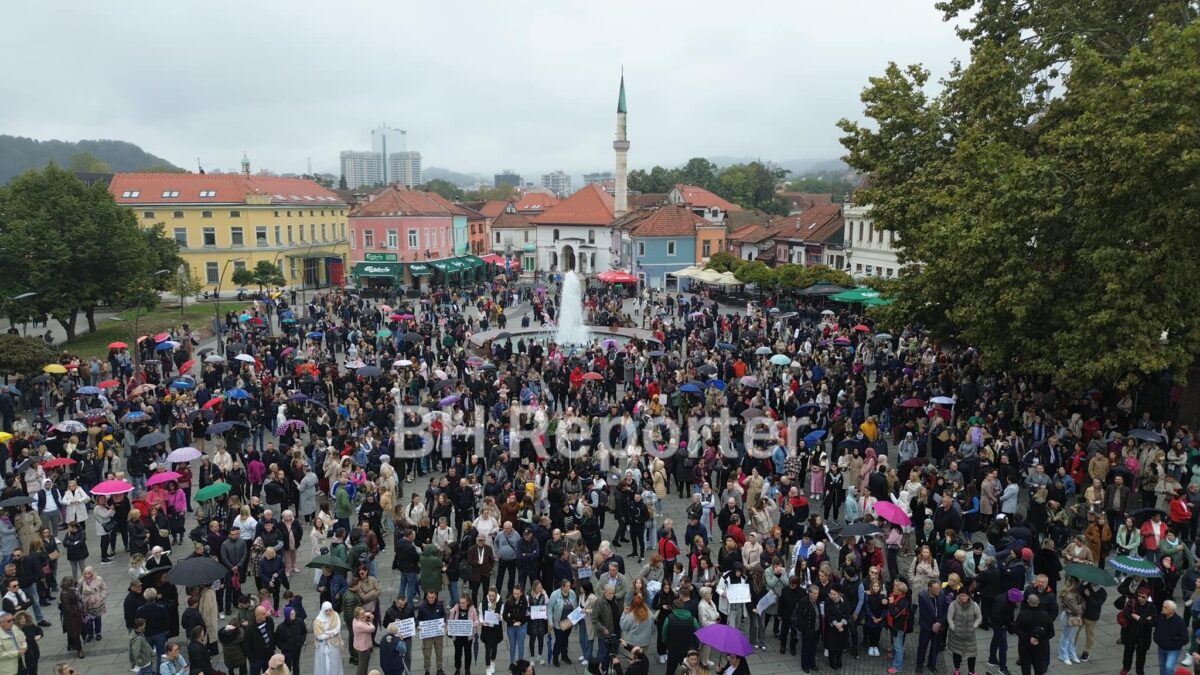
[(598, 177), (361, 168), (558, 182), (405, 168), (508, 178), (387, 141)]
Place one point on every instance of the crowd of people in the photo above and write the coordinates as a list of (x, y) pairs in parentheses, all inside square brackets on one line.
[(838, 488)]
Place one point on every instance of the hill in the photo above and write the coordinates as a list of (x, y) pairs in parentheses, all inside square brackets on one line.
[(464, 180), (19, 154)]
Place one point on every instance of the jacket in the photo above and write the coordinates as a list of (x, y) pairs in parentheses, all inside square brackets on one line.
[(931, 610), (481, 560), (1170, 633), (290, 636), (257, 647), (431, 568)]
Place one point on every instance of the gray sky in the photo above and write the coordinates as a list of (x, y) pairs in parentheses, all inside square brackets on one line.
[(479, 86)]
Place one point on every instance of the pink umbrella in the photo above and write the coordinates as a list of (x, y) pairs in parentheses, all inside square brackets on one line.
[(164, 477), (893, 514), (112, 487)]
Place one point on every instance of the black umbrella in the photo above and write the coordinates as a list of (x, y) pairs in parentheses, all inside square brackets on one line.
[(851, 443), (328, 560), (221, 427), (859, 530), (369, 371), (151, 573), (1146, 435), (25, 464), (751, 413), (38, 379), (1139, 516), (201, 412), (16, 501), (206, 351), (152, 439), (707, 369), (196, 572)]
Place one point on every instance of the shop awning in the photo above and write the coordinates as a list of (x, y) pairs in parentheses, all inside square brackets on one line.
[(471, 261), (419, 269), (377, 269)]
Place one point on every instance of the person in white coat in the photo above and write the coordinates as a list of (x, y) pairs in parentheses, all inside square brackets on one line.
[(75, 500)]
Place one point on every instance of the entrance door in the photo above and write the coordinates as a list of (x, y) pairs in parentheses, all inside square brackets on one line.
[(568, 258)]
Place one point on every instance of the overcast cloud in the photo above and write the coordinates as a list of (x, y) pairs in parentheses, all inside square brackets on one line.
[(479, 86)]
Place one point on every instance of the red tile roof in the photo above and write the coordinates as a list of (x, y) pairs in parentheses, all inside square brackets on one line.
[(666, 221), (816, 225), (801, 201), (591, 205), (400, 201), (218, 188), (698, 196), (493, 208), (647, 199), (456, 209), (508, 220), (744, 233), (537, 202)]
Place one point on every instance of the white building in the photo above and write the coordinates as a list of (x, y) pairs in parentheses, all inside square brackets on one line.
[(869, 251), (558, 182), (387, 141), (362, 168), (405, 168)]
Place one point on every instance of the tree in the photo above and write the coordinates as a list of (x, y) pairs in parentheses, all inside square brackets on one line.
[(499, 193), (752, 186), (820, 182), (699, 172), (265, 273), (72, 245), (24, 355), (86, 162), (342, 183), (724, 261), (184, 283), (756, 272), (444, 188), (1046, 194)]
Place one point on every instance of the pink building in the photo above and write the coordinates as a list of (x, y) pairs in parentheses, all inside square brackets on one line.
[(409, 224)]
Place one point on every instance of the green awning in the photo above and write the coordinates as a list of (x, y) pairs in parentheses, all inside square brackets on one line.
[(472, 261), (419, 270), (377, 269), (442, 265), (859, 294)]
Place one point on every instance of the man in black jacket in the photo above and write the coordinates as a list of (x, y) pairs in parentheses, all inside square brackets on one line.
[(259, 641), (154, 613), (430, 610), (408, 561), (636, 515), (133, 602), (234, 554)]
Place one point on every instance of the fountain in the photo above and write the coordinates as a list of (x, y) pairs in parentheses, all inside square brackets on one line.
[(571, 328)]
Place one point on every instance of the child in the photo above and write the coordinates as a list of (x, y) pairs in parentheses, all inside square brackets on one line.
[(296, 602), (264, 601)]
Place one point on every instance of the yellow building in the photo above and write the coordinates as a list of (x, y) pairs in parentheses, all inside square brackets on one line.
[(224, 222)]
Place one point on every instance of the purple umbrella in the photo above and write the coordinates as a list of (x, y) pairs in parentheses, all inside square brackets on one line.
[(290, 425), (449, 400), (725, 639)]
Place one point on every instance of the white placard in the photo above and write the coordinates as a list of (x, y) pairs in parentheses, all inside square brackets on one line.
[(460, 627), (491, 618), (653, 587), (577, 615), (537, 612), (433, 628), (736, 593), (585, 572), (765, 602), (408, 627)]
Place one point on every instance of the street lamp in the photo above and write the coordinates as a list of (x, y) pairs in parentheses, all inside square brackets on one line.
[(217, 306)]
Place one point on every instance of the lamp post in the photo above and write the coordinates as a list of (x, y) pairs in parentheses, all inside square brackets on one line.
[(217, 306), (18, 298)]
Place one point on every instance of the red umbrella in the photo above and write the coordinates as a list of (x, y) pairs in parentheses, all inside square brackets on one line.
[(187, 365), (161, 337), (893, 514), (941, 412), (57, 462), (257, 321), (862, 328), (109, 383), (913, 403), (117, 345), (212, 403), (593, 377), (617, 277)]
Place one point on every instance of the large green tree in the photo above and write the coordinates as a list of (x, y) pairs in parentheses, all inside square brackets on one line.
[(1045, 196), (75, 247), (444, 188)]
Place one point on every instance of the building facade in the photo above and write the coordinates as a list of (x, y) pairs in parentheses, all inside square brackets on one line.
[(869, 251), (575, 234), (558, 182), (508, 178), (226, 222), (385, 142), (361, 168), (404, 168), (657, 241)]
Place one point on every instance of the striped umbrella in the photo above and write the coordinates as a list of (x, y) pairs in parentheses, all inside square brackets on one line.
[(1135, 566)]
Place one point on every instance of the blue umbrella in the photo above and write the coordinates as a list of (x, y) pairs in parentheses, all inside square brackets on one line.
[(182, 384), (814, 436), (166, 346), (806, 409), (244, 318), (719, 385), (781, 359), (690, 388), (88, 391), (343, 411), (726, 346), (135, 416), (237, 394), (316, 335)]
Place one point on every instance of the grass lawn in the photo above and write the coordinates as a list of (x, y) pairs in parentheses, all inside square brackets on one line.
[(198, 316)]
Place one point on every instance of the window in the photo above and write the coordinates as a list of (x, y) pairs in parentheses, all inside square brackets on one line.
[(591, 236), (130, 194), (177, 214), (290, 239), (210, 236), (525, 237), (276, 214), (206, 214), (289, 214), (208, 193), (147, 214), (497, 237), (871, 233), (212, 272), (301, 229), (414, 239), (707, 249), (235, 214), (368, 238), (312, 232), (236, 237), (324, 237), (641, 248), (393, 239), (860, 231), (260, 235), (670, 248), (278, 235), (322, 212), (556, 235), (311, 212), (170, 193), (181, 237), (889, 271), (239, 265), (858, 268)]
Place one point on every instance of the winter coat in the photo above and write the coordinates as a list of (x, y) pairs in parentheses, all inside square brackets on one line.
[(431, 568), (962, 621)]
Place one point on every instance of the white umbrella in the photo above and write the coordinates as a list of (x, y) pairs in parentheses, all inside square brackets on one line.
[(246, 358), (404, 363), (942, 400), (214, 358)]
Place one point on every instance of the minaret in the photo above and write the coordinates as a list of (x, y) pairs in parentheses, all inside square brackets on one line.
[(621, 147), (245, 164)]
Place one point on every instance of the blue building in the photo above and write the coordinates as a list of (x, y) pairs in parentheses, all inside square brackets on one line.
[(657, 241)]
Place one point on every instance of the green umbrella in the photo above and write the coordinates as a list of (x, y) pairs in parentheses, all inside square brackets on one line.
[(328, 560), (384, 333), (1090, 574), (781, 360), (213, 491), (1135, 566)]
